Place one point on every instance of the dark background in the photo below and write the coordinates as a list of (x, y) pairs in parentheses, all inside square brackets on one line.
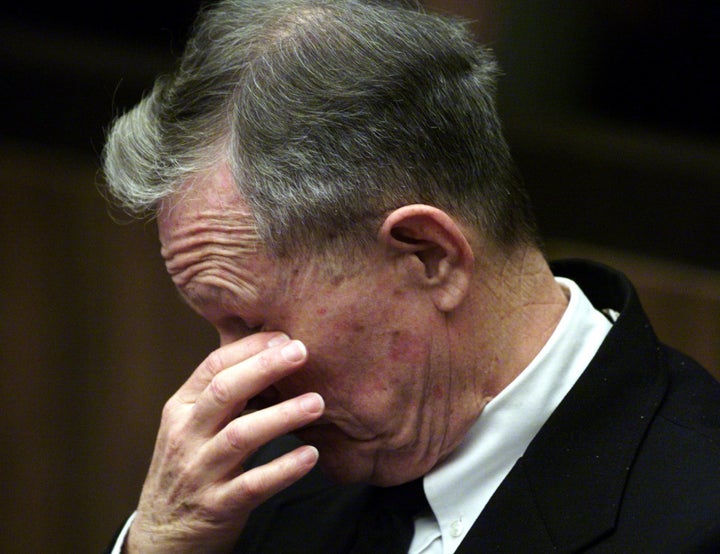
[(630, 86), (611, 110)]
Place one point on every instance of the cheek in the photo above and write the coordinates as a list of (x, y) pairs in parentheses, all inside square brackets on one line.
[(368, 335), (361, 346), (361, 363), (405, 346)]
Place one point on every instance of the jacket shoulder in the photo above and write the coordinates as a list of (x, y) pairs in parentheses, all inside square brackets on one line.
[(693, 397), (674, 485)]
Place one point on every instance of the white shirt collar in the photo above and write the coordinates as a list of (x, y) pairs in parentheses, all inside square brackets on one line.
[(459, 488)]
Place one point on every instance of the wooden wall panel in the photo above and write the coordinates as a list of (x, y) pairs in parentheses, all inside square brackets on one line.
[(93, 340)]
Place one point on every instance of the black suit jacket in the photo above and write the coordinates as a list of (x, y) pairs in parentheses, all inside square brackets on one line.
[(628, 462)]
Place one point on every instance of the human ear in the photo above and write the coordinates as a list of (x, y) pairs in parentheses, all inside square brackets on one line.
[(441, 258)]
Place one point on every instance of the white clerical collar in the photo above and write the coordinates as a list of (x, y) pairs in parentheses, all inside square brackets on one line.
[(459, 488)]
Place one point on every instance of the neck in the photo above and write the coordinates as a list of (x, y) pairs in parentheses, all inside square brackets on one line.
[(516, 306)]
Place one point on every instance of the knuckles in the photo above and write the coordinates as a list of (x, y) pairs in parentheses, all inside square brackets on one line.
[(169, 410), (220, 390), (174, 435), (215, 362), (238, 436), (252, 491)]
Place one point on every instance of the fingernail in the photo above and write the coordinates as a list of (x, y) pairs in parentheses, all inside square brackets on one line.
[(294, 351), (309, 455), (277, 340), (312, 403)]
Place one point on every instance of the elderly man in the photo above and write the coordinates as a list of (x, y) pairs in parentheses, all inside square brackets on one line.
[(333, 194)]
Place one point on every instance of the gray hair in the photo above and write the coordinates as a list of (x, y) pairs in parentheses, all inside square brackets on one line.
[(329, 113)]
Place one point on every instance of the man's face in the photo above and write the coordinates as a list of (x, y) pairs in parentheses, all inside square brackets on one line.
[(377, 349)]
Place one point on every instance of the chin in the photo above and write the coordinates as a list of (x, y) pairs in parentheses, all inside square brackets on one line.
[(342, 459), (350, 465), (345, 460), (380, 477)]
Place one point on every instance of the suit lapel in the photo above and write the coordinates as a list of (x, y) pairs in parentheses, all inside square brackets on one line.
[(511, 522), (566, 490)]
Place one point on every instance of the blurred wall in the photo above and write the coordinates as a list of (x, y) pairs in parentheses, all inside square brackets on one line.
[(92, 336), (93, 339)]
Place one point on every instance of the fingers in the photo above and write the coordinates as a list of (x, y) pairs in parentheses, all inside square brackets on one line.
[(258, 484), (244, 435), (225, 357), (197, 491), (229, 390), (210, 518)]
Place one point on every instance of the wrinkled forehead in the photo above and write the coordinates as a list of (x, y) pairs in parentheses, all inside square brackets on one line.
[(209, 200)]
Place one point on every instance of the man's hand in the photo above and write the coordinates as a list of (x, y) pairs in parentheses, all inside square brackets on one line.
[(197, 496)]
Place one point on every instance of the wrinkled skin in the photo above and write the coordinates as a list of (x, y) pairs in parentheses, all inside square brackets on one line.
[(367, 380)]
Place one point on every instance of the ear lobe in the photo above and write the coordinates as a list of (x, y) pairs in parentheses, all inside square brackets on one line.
[(437, 242)]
